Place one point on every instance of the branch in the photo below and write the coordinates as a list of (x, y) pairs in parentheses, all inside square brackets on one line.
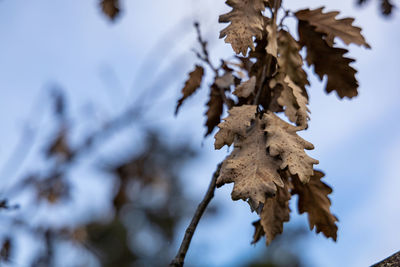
[(393, 260), (180, 256)]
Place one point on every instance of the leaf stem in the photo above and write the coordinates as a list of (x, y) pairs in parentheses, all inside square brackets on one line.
[(179, 259)]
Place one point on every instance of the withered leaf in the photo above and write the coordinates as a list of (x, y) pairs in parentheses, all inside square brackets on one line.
[(313, 199), (245, 89), (215, 108), (249, 167), (291, 97), (6, 249), (191, 85), (258, 231), (328, 61), (301, 101), (225, 81), (290, 60), (236, 123), (272, 46), (60, 147), (386, 7), (275, 212), (284, 142), (111, 8), (327, 24), (246, 21)]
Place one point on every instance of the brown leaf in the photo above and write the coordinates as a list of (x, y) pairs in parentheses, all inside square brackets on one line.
[(327, 24), (284, 142), (275, 212), (290, 60), (313, 199), (292, 99), (215, 108), (386, 7), (246, 22), (191, 85), (258, 231), (245, 89), (237, 123), (272, 46), (110, 8), (225, 81), (328, 61), (6, 249), (60, 147), (253, 171)]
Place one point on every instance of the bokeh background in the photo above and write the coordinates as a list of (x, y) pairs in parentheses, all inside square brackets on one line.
[(67, 71)]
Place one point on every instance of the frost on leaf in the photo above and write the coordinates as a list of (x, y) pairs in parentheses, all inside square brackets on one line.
[(327, 24), (290, 60), (249, 167), (214, 110), (246, 21), (284, 142), (292, 99), (328, 61), (245, 89), (313, 199), (110, 8), (191, 85)]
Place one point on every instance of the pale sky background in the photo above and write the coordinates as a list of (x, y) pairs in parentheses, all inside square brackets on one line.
[(70, 43)]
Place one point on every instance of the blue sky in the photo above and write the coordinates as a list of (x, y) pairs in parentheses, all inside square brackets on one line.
[(357, 141)]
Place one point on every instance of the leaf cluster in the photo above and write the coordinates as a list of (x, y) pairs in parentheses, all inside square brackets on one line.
[(268, 163)]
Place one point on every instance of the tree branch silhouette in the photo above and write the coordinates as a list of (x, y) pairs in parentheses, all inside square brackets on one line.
[(179, 259)]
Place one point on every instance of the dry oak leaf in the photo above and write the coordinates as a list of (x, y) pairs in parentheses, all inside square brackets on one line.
[(272, 46), (275, 212), (258, 231), (246, 21), (253, 172), (225, 81), (245, 89), (313, 199), (191, 85), (328, 61), (290, 60), (327, 24), (110, 8), (283, 141), (386, 7), (291, 97), (301, 101), (237, 123), (215, 107)]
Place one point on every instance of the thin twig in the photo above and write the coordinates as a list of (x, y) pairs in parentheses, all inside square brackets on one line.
[(206, 58), (261, 82), (180, 256)]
